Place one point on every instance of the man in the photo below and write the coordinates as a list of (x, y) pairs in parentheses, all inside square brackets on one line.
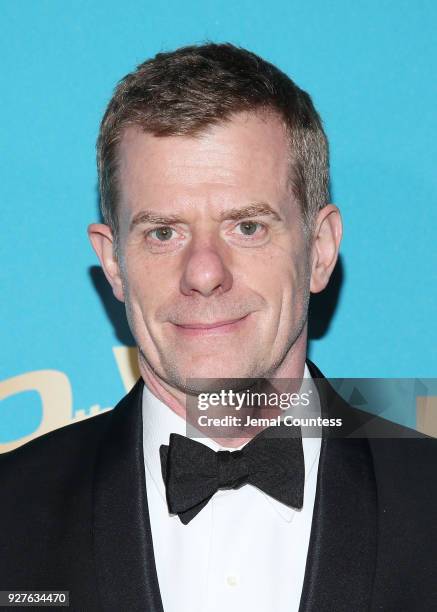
[(213, 171)]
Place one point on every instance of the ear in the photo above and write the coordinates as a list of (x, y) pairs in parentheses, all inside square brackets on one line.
[(326, 242), (102, 241)]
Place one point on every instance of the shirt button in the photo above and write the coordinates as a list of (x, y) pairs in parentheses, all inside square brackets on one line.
[(232, 581)]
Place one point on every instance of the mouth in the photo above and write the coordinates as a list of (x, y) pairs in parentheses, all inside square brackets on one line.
[(207, 329)]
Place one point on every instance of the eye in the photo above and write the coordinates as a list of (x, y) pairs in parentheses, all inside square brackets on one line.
[(248, 228), (162, 234)]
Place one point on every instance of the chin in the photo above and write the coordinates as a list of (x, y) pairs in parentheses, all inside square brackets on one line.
[(216, 371), (208, 384), (212, 374)]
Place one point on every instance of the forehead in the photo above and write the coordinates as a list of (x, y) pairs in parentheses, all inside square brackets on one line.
[(247, 156)]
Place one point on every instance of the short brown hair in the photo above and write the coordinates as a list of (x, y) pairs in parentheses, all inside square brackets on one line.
[(185, 91)]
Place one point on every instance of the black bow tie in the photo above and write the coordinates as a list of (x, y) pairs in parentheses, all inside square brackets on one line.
[(193, 472)]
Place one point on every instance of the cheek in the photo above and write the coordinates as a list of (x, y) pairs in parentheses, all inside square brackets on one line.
[(140, 286), (288, 287), (284, 277), (152, 290)]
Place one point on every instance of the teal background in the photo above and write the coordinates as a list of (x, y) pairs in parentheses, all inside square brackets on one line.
[(371, 70)]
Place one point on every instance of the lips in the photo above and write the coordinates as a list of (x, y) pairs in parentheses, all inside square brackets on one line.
[(209, 325), (196, 328)]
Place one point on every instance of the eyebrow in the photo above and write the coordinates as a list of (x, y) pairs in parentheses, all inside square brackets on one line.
[(233, 214), (253, 210), (148, 216)]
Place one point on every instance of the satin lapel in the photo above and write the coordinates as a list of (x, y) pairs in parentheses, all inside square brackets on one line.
[(342, 551), (125, 564)]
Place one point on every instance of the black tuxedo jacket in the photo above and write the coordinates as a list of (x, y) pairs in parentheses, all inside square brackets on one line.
[(74, 516)]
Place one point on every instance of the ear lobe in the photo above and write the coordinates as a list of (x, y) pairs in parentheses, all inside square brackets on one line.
[(326, 243), (102, 241)]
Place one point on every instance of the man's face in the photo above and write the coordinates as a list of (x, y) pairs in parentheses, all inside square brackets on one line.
[(213, 260)]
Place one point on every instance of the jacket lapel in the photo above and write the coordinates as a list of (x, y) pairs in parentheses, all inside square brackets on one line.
[(123, 547), (342, 551)]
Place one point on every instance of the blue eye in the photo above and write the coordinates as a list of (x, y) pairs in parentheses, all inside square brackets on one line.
[(248, 228), (162, 233)]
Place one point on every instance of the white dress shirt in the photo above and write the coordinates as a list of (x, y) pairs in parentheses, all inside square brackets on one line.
[(243, 551)]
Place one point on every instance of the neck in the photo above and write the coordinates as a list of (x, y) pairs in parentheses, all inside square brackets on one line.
[(291, 368)]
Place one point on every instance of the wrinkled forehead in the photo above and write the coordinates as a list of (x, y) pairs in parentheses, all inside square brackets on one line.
[(248, 153)]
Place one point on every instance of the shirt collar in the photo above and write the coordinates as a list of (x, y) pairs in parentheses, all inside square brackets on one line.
[(159, 421)]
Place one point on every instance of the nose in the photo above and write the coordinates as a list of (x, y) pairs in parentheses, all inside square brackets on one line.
[(205, 271)]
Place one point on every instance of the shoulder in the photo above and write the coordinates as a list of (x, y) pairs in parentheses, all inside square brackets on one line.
[(404, 463), (71, 441), (411, 459), (48, 478), (402, 457), (51, 454), (70, 448), (51, 478)]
